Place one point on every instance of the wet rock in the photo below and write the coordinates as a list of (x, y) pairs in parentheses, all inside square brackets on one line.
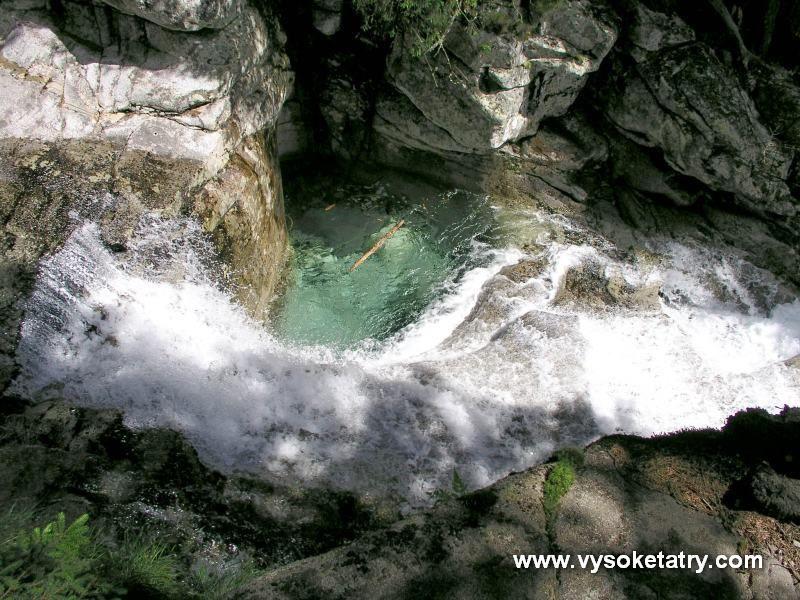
[(243, 209), (525, 270), (462, 548), (641, 172), (589, 285), (551, 325), (558, 153), (344, 107), (544, 168), (61, 457), (106, 116)]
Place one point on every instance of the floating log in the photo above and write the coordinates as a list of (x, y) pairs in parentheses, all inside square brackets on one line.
[(330, 207), (378, 245)]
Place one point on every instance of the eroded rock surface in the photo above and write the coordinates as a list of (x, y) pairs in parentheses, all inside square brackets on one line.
[(496, 85), (106, 116), (628, 494), (685, 102)]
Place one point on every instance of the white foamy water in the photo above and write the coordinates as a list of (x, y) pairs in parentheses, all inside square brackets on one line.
[(490, 378)]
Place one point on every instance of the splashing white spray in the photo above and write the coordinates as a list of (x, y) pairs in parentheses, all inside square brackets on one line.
[(490, 378)]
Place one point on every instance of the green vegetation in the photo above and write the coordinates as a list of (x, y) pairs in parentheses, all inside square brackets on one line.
[(571, 455), (72, 561), (558, 482), (53, 561), (209, 583), (457, 489), (146, 568), (427, 22), (560, 479)]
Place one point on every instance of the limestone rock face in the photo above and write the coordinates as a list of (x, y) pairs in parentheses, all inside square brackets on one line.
[(148, 82), (672, 118), (105, 116), (243, 207), (497, 84), (686, 103), (184, 15), (652, 31)]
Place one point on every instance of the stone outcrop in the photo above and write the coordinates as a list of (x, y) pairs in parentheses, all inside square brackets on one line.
[(775, 495), (589, 285), (495, 85), (686, 103), (105, 115), (63, 458), (628, 495), (668, 494)]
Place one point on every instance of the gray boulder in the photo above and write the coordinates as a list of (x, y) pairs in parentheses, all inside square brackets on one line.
[(683, 101), (651, 31), (776, 495), (496, 84), (588, 285), (326, 16)]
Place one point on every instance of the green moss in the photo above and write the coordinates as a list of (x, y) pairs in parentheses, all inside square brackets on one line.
[(571, 455), (559, 480)]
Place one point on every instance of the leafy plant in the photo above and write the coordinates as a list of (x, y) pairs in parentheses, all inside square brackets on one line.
[(457, 489), (53, 561), (60, 561), (570, 454)]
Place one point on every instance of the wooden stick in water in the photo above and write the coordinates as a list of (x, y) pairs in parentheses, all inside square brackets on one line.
[(378, 245)]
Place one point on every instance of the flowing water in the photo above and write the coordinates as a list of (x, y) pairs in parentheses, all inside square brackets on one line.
[(426, 359), (327, 303)]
